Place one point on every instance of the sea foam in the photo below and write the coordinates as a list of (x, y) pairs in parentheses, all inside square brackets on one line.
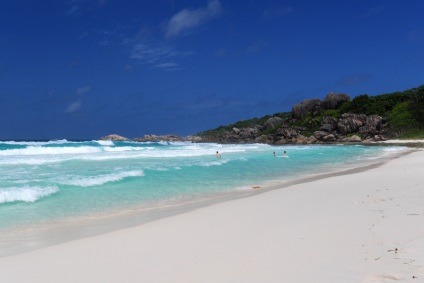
[(25, 194), (105, 143), (102, 179), (39, 150)]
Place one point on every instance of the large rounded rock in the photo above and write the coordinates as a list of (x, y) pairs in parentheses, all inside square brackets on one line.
[(113, 137), (287, 132), (350, 123), (272, 122), (300, 139), (330, 121), (329, 138), (326, 128), (307, 105), (334, 100), (311, 140), (319, 135), (372, 125), (353, 138)]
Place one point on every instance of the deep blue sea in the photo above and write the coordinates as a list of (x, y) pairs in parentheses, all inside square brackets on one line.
[(41, 182)]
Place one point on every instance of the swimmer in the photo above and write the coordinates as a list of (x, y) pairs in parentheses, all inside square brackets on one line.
[(218, 155)]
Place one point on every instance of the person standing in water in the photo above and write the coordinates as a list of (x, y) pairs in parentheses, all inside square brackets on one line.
[(285, 154), (218, 155)]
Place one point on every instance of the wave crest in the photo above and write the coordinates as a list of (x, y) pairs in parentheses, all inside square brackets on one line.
[(103, 179), (26, 194)]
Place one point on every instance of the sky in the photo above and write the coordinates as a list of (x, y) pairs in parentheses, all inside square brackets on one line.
[(83, 69)]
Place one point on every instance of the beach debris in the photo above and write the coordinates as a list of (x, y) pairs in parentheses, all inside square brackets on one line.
[(395, 250)]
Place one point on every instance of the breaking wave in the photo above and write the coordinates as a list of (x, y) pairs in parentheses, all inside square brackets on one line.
[(26, 194), (102, 179)]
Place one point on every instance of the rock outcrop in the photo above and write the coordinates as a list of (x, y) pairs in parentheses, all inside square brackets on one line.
[(329, 124), (353, 138), (155, 138), (331, 101), (113, 137), (350, 123), (372, 125), (272, 122), (334, 100), (348, 128), (307, 105)]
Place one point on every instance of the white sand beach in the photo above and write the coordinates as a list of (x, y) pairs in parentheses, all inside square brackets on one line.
[(367, 226), (402, 141)]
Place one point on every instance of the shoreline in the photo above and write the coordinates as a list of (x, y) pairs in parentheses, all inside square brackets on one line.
[(358, 225), (38, 236)]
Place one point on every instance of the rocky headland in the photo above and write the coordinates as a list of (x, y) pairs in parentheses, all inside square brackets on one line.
[(308, 124), (335, 119), (153, 138)]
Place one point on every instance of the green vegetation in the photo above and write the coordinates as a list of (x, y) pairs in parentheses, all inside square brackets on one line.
[(401, 118), (380, 105), (404, 112), (331, 113)]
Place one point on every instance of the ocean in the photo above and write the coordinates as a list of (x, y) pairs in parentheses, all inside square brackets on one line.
[(53, 181)]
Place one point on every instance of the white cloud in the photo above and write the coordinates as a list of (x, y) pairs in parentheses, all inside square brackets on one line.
[(78, 6), (159, 56), (169, 66), (83, 90), (73, 107), (150, 54), (187, 19)]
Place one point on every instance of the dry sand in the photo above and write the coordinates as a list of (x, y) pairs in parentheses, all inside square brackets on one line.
[(362, 227)]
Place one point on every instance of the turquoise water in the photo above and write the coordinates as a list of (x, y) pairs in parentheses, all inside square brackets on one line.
[(49, 181)]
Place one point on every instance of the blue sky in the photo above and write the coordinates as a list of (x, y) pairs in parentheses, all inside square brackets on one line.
[(82, 69)]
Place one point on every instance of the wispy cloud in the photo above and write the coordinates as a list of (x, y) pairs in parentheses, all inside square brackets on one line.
[(374, 11), (76, 7), (354, 79), (77, 104), (74, 10), (73, 107), (277, 12), (83, 90), (158, 56), (256, 47), (169, 66), (188, 19)]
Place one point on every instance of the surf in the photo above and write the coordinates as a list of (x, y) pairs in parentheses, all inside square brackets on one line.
[(50, 180)]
